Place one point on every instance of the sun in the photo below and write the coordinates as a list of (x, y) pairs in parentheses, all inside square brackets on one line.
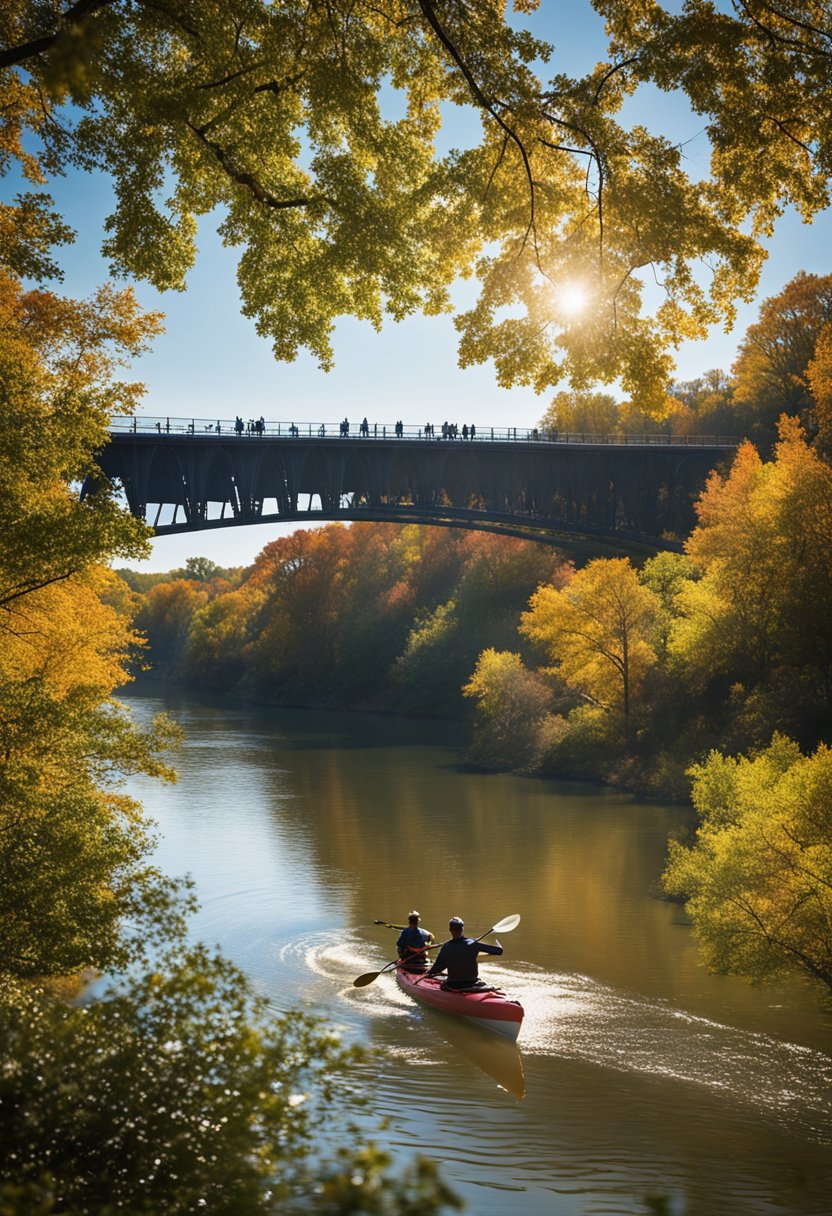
[(572, 299)]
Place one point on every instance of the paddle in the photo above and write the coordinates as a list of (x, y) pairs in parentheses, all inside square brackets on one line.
[(504, 926), (387, 924), (369, 976)]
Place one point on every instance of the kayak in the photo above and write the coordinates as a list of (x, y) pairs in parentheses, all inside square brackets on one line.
[(487, 1007)]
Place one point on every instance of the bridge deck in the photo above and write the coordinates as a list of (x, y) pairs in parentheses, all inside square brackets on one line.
[(630, 492)]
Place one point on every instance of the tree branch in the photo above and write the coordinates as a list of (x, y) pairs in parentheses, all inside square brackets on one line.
[(12, 56), (794, 43), (433, 21), (243, 178)]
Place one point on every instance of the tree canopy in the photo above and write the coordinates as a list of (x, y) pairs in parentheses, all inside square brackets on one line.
[(312, 132), (758, 879)]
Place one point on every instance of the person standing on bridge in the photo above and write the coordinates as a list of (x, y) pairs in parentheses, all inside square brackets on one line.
[(411, 945)]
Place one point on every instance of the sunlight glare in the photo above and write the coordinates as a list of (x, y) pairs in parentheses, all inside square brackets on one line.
[(572, 299)]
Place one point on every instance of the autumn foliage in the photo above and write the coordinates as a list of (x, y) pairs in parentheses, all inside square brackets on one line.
[(370, 616)]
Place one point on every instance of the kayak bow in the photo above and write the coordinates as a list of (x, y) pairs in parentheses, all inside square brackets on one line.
[(489, 1008)]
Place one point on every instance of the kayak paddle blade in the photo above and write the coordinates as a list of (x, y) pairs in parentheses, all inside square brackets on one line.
[(365, 979), (507, 924)]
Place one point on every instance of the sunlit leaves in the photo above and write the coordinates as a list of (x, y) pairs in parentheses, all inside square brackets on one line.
[(758, 880), (310, 133), (760, 74), (760, 613), (175, 1092), (819, 377), (59, 360), (512, 711), (771, 369), (599, 630)]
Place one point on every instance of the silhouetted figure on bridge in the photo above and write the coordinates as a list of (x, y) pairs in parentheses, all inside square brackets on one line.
[(345, 428), (472, 431), (364, 429), (238, 425)]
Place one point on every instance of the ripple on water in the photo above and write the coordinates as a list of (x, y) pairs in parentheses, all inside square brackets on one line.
[(575, 1017)]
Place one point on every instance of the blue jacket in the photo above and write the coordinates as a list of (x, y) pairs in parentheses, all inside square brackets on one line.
[(459, 958), (410, 940)]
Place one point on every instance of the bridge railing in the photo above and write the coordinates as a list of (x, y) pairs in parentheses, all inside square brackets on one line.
[(256, 428)]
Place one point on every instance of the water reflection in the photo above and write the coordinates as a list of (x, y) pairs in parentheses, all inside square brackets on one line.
[(498, 1058)]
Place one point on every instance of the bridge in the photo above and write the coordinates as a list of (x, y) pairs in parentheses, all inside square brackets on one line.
[(584, 492)]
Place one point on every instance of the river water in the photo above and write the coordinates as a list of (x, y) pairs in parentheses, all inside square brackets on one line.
[(637, 1074)]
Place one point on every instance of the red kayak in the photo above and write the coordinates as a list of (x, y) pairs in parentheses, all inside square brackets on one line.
[(489, 1007)]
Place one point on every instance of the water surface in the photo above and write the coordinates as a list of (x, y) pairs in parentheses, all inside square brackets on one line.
[(637, 1074)]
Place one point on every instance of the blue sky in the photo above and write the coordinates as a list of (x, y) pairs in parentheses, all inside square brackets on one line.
[(210, 362)]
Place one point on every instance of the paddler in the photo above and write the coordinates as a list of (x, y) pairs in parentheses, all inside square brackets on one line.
[(459, 957), (411, 944)]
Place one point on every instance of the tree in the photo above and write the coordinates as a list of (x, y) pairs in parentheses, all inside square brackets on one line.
[(819, 376), (201, 570), (666, 575), (58, 390), (165, 615), (708, 404), (512, 708), (581, 413), (758, 879), (73, 849), (759, 617), (280, 120), (771, 368), (599, 630)]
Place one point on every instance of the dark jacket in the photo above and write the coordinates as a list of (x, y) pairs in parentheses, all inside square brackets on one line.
[(459, 958)]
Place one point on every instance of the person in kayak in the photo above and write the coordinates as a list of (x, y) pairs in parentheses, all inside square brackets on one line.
[(411, 944), (459, 957)]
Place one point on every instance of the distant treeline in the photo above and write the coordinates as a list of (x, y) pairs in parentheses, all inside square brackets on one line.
[(372, 616)]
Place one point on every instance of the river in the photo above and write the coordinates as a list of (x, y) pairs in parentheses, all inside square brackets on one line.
[(637, 1074)]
